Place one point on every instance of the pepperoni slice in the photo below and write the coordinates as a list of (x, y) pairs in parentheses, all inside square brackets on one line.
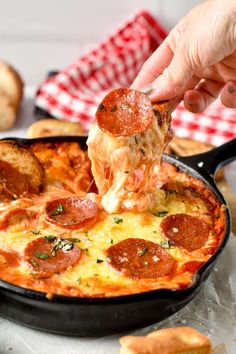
[(124, 112), (15, 215), (72, 213), (12, 180), (185, 231), (140, 259), (49, 256)]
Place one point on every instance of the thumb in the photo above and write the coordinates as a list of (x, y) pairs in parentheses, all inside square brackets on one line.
[(172, 81)]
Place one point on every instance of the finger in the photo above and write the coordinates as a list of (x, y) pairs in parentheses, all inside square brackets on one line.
[(202, 96), (228, 95), (174, 77), (174, 102), (191, 83), (154, 66)]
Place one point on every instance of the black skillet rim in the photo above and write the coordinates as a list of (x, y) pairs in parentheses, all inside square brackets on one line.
[(198, 278)]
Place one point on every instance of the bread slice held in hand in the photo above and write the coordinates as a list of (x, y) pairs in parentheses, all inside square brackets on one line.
[(179, 340), (11, 92), (24, 161)]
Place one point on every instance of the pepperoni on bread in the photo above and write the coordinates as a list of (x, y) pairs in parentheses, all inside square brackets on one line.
[(124, 112), (24, 162), (12, 181)]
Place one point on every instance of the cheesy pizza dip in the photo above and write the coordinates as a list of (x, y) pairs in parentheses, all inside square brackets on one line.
[(61, 233)]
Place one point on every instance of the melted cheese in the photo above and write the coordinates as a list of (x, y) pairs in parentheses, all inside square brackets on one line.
[(126, 169), (95, 243), (88, 277)]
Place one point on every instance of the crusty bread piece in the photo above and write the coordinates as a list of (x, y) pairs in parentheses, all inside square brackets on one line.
[(11, 91), (23, 160), (7, 112), (53, 127), (180, 340), (186, 147), (11, 84)]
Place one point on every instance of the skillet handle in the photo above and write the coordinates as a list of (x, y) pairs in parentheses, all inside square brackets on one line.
[(211, 160)]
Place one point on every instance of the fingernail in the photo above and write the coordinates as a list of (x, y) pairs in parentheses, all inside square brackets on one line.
[(147, 89), (230, 89), (194, 102)]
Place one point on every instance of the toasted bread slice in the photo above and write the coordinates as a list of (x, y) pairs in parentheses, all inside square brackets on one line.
[(180, 340), (186, 147), (53, 127), (11, 84), (7, 112), (23, 160)]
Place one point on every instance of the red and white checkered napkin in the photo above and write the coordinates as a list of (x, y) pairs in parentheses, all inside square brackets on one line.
[(74, 93)]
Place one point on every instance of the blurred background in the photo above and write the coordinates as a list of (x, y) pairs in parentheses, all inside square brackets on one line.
[(36, 36)]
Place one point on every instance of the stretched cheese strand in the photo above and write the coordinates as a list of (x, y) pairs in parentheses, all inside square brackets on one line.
[(125, 168)]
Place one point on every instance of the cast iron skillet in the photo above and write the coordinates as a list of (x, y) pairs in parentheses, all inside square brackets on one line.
[(101, 316)]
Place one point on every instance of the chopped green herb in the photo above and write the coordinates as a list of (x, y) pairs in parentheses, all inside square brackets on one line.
[(112, 241), (118, 220), (86, 233), (136, 139), (125, 106), (142, 151), (126, 171), (170, 192), (79, 280), (113, 109), (58, 210), (67, 246), (99, 261), (35, 232), (142, 252), (161, 214), (167, 244), (59, 244), (101, 107), (75, 240), (41, 255), (96, 275), (50, 238), (154, 231), (145, 263), (35, 264)]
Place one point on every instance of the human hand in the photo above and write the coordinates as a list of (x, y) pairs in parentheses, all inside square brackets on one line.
[(197, 61)]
